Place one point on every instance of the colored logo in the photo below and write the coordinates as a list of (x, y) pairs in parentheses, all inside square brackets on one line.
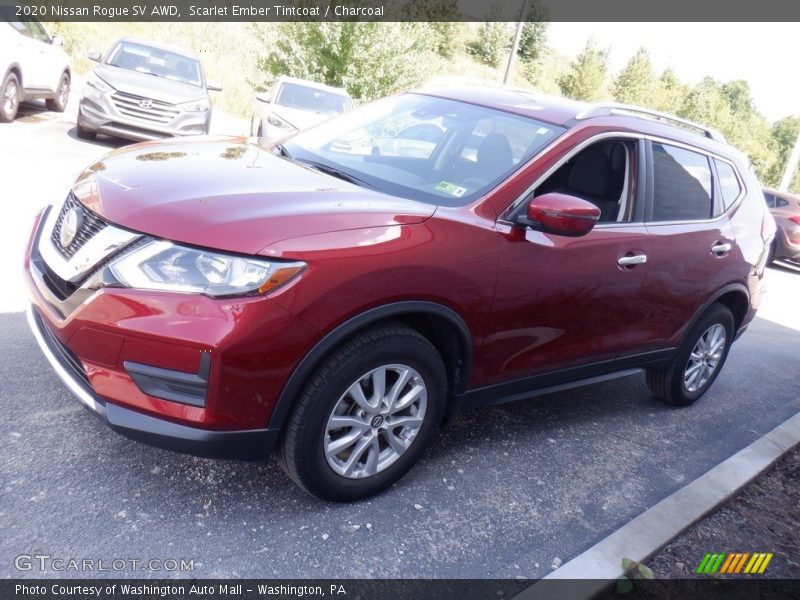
[(734, 562)]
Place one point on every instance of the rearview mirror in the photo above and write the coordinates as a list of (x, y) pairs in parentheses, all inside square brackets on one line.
[(94, 55), (213, 88), (561, 214)]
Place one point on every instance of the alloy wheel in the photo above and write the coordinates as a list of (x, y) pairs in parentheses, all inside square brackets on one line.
[(10, 98), (705, 358), (375, 421)]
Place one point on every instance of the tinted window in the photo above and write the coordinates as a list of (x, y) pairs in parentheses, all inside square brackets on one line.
[(780, 202), (312, 99), (728, 184), (38, 31), (682, 184), (154, 61), (770, 199)]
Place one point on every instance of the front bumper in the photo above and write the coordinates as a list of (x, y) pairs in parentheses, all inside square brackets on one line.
[(98, 112), (253, 444), (186, 372)]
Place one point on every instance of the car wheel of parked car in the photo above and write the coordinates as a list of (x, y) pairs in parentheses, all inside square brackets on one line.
[(9, 98), (83, 133), (366, 415), (698, 361), (59, 103)]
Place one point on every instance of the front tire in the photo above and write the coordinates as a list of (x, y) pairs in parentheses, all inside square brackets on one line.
[(10, 94), (59, 103), (698, 360), (366, 415)]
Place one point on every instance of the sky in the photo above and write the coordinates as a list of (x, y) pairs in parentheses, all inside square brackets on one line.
[(766, 55)]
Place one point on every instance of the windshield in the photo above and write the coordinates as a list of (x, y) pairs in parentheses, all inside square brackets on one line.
[(312, 99), (424, 148), (152, 61)]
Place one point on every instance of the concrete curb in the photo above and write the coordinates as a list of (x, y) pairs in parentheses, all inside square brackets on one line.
[(643, 536)]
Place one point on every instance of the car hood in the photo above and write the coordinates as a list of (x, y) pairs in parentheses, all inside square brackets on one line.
[(301, 119), (149, 86), (230, 194)]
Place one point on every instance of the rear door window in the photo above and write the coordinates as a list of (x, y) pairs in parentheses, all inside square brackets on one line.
[(729, 185), (681, 184)]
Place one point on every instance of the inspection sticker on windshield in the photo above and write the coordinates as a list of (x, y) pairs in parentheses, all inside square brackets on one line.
[(450, 188)]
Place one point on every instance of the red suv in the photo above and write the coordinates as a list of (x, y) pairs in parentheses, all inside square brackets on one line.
[(228, 297)]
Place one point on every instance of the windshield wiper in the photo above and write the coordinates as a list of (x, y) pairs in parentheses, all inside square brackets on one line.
[(330, 170)]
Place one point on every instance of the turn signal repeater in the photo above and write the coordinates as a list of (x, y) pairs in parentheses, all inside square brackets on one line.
[(280, 277)]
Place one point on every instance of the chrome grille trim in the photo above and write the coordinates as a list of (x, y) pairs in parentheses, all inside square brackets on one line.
[(157, 111), (85, 258), (91, 226)]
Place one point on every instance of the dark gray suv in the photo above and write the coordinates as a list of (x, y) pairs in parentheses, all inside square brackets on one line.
[(145, 91)]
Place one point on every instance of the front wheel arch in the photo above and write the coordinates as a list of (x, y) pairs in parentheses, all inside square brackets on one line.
[(412, 313)]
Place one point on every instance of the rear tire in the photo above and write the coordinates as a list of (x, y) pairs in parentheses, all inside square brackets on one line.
[(10, 94), (698, 360), (59, 103), (372, 454)]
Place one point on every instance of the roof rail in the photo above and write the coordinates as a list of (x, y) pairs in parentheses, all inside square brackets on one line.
[(604, 110)]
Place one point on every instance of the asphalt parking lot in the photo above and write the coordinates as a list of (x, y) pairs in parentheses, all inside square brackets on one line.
[(510, 491)]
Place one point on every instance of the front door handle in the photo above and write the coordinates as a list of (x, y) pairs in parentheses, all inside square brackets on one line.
[(629, 261), (721, 248)]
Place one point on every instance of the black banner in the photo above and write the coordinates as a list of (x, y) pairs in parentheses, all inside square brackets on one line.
[(399, 10)]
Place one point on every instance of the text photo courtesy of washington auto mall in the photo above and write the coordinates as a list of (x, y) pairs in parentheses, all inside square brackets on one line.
[(399, 299)]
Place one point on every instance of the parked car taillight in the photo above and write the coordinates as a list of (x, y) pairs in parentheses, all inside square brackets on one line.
[(795, 219)]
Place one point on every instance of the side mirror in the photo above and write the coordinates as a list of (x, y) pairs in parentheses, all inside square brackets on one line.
[(213, 88), (263, 97), (94, 55), (561, 214), (57, 41)]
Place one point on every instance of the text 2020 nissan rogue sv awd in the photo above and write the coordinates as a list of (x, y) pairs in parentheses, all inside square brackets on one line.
[(226, 298)]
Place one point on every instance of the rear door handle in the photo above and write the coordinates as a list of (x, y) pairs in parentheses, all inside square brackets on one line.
[(721, 248), (629, 261)]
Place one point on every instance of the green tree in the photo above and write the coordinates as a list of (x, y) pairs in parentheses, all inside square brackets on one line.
[(585, 79), (636, 83), (730, 109), (784, 134), (441, 16), (493, 40), (370, 60), (671, 92)]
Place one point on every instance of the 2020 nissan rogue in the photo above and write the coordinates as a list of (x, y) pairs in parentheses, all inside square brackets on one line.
[(226, 298)]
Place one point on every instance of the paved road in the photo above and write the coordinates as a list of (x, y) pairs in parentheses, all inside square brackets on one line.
[(505, 492)]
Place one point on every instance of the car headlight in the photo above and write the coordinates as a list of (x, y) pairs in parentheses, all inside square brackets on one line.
[(276, 121), (197, 106), (98, 84), (161, 265)]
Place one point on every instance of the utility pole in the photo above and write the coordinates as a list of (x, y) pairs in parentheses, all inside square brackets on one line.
[(791, 166), (515, 45)]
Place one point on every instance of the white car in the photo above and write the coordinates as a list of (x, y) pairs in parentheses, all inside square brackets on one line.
[(295, 104), (33, 66)]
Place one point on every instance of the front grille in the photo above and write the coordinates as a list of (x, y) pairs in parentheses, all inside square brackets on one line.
[(143, 108), (64, 355), (90, 225)]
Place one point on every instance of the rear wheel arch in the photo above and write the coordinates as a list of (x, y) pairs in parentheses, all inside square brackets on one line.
[(440, 325), (733, 296)]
